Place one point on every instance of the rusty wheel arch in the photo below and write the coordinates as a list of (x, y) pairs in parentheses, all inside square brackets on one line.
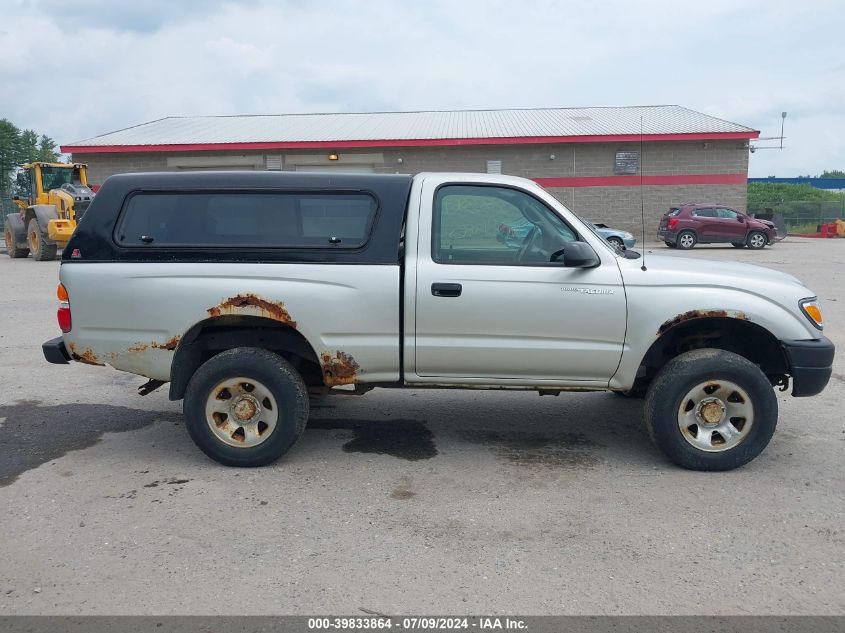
[(220, 333), (721, 331)]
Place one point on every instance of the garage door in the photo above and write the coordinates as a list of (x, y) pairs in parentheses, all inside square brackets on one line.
[(349, 169)]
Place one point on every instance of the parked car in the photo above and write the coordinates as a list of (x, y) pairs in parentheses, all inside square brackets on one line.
[(248, 291), (514, 234), (686, 225), (615, 236)]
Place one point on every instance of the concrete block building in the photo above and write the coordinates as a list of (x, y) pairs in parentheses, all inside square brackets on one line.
[(600, 162)]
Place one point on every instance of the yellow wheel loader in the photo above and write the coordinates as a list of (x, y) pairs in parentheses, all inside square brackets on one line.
[(58, 196)]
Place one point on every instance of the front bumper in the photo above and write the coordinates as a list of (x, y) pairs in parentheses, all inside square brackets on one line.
[(629, 242), (810, 365), (55, 351)]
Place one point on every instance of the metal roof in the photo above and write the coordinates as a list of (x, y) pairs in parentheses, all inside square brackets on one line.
[(415, 128)]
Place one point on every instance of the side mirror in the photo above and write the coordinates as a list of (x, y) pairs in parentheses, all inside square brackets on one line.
[(740, 218), (576, 255)]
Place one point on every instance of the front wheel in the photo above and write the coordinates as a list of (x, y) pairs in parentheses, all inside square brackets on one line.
[(615, 242), (710, 410), (246, 407), (756, 240), (41, 249)]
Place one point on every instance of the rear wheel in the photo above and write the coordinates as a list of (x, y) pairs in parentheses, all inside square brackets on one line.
[(246, 407), (710, 409), (686, 240), (40, 248), (12, 247), (756, 240)]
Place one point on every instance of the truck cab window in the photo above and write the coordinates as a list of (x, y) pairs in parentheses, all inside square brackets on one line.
[(477, 224)]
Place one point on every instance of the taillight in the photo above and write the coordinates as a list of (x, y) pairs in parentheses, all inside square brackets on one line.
[(63, 313), (673, 222)]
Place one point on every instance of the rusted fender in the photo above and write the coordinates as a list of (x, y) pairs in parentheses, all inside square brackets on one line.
[(701, 314), (85, 355), (340, 369), (252, 304)]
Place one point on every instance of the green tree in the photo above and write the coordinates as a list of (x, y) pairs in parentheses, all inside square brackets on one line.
[(799, 204), (18, 147), (763, 194), (833, 173), (9, 144)]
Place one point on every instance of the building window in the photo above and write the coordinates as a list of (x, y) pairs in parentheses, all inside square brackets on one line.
[(627, 162)]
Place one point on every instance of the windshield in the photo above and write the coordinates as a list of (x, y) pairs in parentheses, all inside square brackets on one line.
[(55, 177)]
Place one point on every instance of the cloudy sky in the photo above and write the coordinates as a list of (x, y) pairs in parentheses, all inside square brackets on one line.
[(74, 69)]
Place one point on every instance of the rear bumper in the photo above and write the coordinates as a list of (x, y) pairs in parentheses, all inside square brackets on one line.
[(55, 351), (810, 365), (665, 235), (60, 230)]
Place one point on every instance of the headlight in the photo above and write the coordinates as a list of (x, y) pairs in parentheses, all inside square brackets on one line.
[(813, 311)]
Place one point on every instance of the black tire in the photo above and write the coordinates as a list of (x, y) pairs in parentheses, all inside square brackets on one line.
[(41, 249), (756, 240), (670, 244), (738, 244), (615, 242), (681, 375), (686, 240), (14, 251), (275, 374)]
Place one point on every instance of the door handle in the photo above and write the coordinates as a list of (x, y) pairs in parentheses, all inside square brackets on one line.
[(446, 290)]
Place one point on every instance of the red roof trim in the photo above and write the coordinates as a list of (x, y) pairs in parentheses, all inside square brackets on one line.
[(634, 181), (438, 142)]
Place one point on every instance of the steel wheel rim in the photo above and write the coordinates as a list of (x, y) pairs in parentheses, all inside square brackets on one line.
[(7, 237), (716, 416), (241, 412), (757, 240), (686, 240), (34, 242)]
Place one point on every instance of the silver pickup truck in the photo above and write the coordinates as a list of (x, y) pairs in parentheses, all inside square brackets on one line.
[(251, 292)]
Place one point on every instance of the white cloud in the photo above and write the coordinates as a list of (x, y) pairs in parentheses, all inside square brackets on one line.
[(111, 65)]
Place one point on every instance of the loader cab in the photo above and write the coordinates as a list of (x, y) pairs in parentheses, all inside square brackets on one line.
[(47, 177)]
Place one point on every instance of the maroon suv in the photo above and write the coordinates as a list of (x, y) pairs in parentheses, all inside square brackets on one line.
[(690, 224)]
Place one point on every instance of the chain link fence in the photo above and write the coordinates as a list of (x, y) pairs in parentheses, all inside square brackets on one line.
[(7, 207), (803, 217)]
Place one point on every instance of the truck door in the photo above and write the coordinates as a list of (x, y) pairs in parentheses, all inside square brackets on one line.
[(489, 302)]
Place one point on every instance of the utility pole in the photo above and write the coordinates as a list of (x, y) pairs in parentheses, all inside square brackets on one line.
[(782, 120)]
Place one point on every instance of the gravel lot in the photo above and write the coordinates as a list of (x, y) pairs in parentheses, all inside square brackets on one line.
[(408, 502)]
